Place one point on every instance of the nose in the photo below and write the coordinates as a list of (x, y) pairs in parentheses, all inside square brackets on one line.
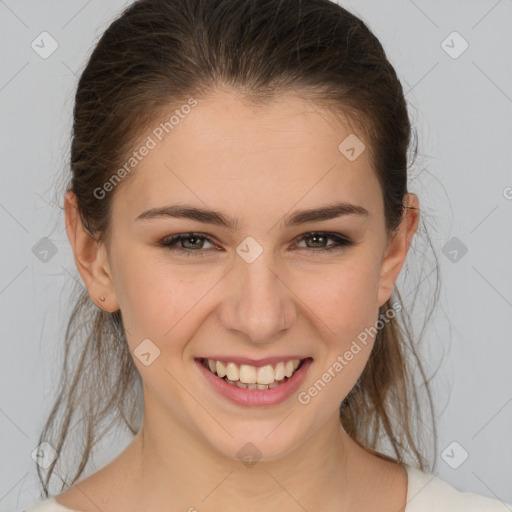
[(260, 303)]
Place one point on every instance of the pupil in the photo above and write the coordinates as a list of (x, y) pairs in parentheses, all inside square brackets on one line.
[(193, 238), (317, 237)]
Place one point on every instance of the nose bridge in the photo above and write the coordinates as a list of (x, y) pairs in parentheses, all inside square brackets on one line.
[(260, 305)]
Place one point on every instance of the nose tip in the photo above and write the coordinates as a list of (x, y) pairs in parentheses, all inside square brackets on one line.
[(260, 305)]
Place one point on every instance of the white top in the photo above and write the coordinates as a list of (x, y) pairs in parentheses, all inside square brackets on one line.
[(425, 493)]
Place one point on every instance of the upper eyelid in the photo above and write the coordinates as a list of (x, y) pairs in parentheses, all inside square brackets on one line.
[(190, 234)]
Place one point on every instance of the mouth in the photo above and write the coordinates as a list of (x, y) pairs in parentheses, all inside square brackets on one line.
[(251, 377), (254, 386)]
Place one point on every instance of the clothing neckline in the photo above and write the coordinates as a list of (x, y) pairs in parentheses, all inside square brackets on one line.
[(417, 480)]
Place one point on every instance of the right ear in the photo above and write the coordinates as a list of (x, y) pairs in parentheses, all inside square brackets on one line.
[(90, 258)]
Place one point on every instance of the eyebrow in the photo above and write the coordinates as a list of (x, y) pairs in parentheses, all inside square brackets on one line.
[(218, 218)]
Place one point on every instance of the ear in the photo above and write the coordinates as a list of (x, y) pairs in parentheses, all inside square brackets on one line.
[(90, 258), (397, 248)]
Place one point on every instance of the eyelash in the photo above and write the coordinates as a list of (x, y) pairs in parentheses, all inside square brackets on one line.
[(170, 243)]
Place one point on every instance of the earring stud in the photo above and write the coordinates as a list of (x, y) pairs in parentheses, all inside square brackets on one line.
[(102, 299)]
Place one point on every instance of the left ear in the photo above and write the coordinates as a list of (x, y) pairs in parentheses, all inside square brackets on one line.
[(397, 248)]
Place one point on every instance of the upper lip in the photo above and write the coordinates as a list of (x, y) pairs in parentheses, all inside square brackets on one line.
[(255, 362)]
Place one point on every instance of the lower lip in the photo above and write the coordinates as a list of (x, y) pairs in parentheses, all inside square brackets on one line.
[(256, 397)]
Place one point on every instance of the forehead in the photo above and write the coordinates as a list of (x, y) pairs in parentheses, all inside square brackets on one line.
[(226, 153)]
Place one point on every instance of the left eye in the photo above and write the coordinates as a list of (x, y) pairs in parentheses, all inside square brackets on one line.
[(197, 240), (339, 240)]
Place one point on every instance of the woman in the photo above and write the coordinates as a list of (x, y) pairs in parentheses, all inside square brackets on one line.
[(239, 214)]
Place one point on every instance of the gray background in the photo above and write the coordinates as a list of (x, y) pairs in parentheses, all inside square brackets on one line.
[(462, 109)]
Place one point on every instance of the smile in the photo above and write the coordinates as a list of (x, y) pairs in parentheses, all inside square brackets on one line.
[(249, 377), (272, 384)]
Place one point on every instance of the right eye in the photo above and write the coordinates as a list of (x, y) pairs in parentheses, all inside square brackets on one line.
[(170, 243)]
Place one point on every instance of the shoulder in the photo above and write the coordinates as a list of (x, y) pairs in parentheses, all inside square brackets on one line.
[(48, 505), (426, 492)]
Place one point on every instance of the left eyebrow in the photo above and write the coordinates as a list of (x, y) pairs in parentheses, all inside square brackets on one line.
[(325, 213), (218, 218)]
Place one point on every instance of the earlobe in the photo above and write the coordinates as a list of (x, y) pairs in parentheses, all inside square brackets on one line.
[(397, 248), (90, 258)]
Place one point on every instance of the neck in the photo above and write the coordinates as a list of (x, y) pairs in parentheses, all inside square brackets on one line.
[(173, 466)]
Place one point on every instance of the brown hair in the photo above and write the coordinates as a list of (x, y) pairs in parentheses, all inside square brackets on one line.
[(158, 53)]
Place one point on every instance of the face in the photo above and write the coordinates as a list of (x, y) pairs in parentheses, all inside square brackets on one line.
[(264, 284)]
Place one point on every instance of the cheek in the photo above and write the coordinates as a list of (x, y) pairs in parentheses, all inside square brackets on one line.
[(344, 304), (343, 296), (152, 297), (164, 303)]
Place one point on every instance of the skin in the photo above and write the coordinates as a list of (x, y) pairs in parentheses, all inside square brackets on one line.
[(259, 165)]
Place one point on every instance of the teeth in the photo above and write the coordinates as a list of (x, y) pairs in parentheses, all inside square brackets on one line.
[(221, 369), (251, 377), (288, 368), (252, 386), (232, 372), (247, 374), (265, 375), (279, 372)]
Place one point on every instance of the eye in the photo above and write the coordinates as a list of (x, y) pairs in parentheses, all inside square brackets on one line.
[(193, 243), (319, 239), (197, 241)]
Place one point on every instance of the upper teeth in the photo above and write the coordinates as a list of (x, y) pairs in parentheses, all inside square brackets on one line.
[(250, 374)]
